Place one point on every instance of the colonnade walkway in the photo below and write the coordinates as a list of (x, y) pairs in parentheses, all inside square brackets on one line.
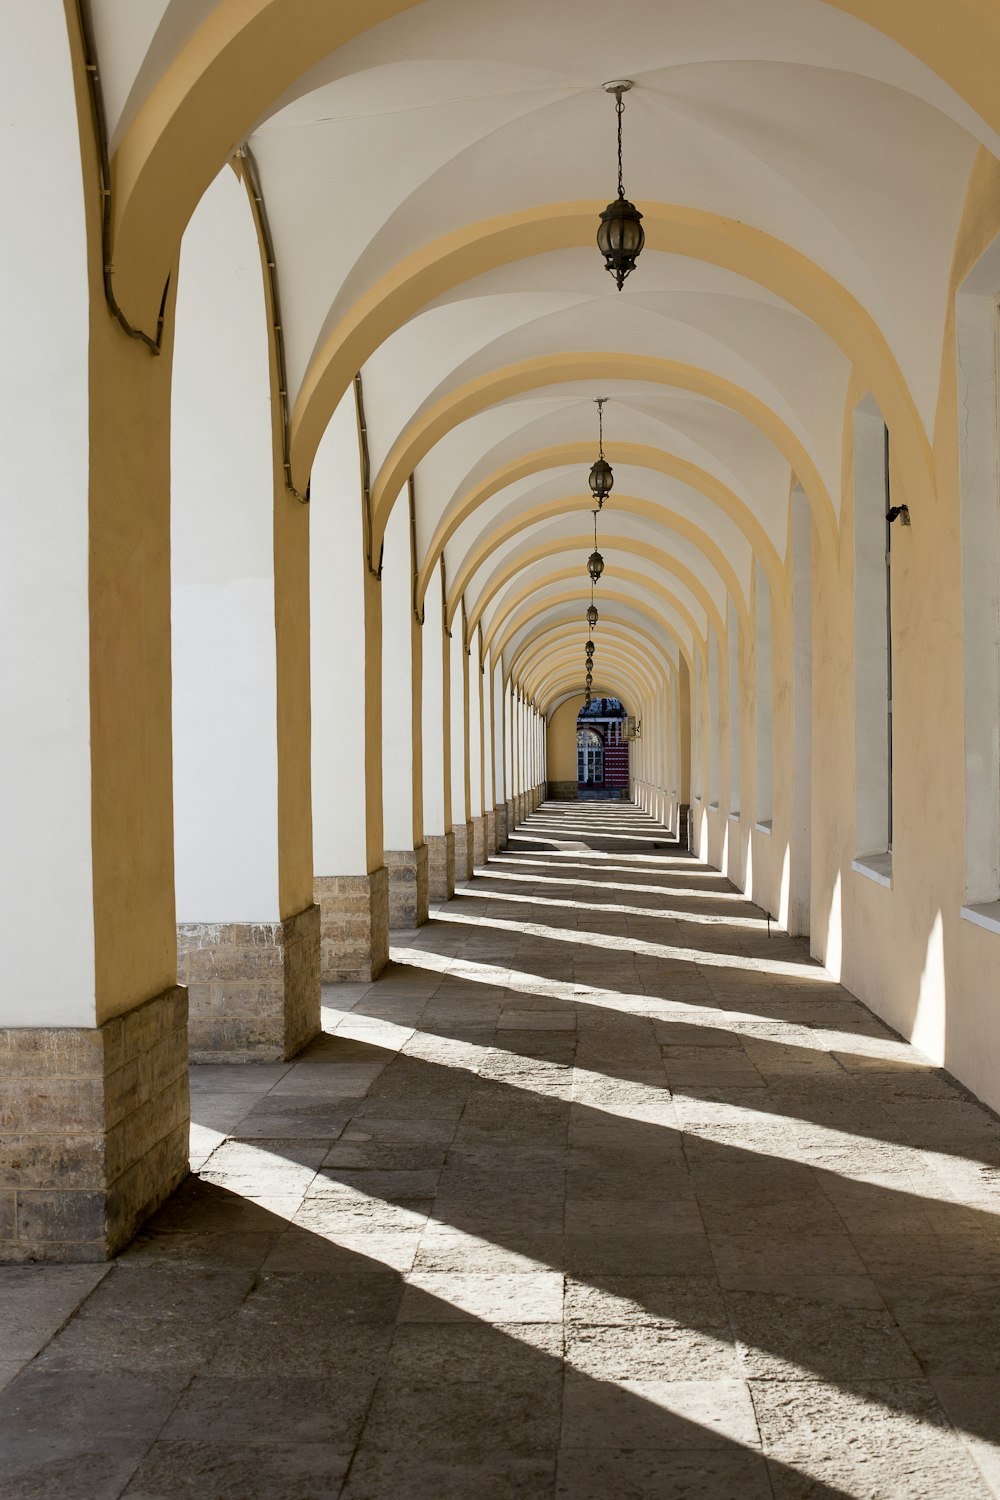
[(601, 1191)]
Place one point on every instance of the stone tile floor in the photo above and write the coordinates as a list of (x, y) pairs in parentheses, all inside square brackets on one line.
[(600, 1192)]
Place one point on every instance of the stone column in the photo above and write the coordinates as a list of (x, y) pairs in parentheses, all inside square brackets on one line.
[(351, 882), (248, 928)]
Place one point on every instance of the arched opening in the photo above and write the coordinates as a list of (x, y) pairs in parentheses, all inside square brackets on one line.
[(602, 750)]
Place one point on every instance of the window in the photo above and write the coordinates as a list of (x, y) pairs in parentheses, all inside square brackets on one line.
[(872, 642), (589, 757), (978, 330), (764, 707), (733, 642)]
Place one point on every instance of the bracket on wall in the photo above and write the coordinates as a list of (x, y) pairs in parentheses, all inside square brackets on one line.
[(153, 344), (465, 629), (479, 642), (251, 181), (411, 495), (366, 480)]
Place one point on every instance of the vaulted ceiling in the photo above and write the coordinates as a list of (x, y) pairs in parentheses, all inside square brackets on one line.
[(433, 183)]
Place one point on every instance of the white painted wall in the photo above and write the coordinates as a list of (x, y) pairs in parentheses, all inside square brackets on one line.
[(978, 392), (397, 681), (475, 730), (459, 806), (432, 711), (870, 633), (796, 919), (764, 714), (222, 572), (336, 603), (46, 871), (496, 689), (733, 647)]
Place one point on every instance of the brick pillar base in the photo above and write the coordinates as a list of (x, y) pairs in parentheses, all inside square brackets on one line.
[(441, 866), (463, 852), (354, 926), (253, 987), (511, 805), (408, 886), (491, 832), (93, 1130), (501, 817), (479, 841)]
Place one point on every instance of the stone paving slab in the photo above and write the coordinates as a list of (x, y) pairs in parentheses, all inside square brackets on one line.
[(573, 1203)]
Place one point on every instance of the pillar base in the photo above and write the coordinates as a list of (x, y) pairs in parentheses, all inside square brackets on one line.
[(511, 806), (408, 886), (478, 841), (491, 832), (253, 987), (354, 926), (562, 791), (463, 851), (94, 1128), (501, 817), (441, 866)]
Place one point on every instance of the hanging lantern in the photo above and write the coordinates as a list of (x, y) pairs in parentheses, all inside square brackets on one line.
[(590, 648), (592, 616), (602, 476), (595, 565), (620, 236)]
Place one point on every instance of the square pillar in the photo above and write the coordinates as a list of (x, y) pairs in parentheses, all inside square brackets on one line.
[(354, 926), (93, 1130), (441, 866), (408, 872), (253, 987)]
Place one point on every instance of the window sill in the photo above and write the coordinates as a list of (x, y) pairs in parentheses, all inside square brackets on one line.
[(877, 867), (987, 915), (764, 827)]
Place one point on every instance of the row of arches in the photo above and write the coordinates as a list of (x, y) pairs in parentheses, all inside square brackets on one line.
[(296, 594)]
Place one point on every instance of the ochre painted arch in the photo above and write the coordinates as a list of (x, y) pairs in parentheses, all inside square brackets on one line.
[(581, 545), (639, 455), (624, 505)]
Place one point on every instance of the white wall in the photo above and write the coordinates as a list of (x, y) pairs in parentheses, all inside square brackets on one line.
[(397, 681), (222, 572), (870, 632), (764, 710), (459, 805), (432, 710), (977, 330), (46, 871), (336, 603)]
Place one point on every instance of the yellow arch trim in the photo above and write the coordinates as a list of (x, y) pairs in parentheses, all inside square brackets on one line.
[(622, 575), (639, 455), (568, 687), (512, 566), (474, 249), (538, 666), (457, 406), (619, 664), (628, 504), (248, 52), (618, 625), (541, 606)]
